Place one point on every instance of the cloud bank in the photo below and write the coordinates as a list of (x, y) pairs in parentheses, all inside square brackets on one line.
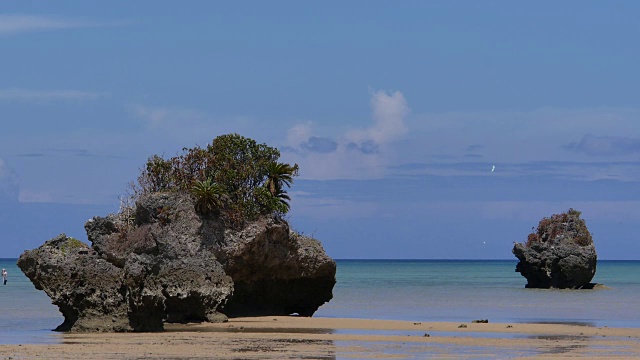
[(605, 145)]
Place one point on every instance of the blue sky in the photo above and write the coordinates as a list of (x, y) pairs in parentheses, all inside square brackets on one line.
[(396, 112)]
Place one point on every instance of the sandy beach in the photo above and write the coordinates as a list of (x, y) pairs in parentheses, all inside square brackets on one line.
[(326, 338)]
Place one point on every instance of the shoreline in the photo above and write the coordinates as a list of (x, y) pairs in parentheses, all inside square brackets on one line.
[(277, 337)]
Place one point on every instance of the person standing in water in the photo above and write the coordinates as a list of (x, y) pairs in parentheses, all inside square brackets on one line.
[(4, 277)]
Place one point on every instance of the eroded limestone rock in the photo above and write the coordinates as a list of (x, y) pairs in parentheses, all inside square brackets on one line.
[(560, 254), (86, 288), (164, 262), (288, 273)]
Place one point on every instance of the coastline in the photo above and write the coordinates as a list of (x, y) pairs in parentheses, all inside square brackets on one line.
[(278, 337)]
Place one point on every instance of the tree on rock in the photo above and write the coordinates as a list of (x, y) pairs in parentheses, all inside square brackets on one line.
[(203, 239), (559, 254), (234, 177)]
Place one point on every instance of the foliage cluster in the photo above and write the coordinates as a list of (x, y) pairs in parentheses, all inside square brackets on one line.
[(560, 225), (234, 177)]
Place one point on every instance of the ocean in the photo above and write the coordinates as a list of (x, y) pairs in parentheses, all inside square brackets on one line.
[(414, 290)]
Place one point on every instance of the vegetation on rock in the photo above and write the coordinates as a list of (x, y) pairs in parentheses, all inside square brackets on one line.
[(559, 254), (555, 228), (209, 196), (234, 177), (71, 244)]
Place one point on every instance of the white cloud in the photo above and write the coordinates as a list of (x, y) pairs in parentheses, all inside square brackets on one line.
[(389, 112), (11, 24), (543, 142), (299, 134), (357, 154), (42, 96)]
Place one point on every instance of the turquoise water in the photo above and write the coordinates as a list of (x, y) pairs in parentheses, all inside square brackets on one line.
[(415, 290), (26, 314), (465, 290)]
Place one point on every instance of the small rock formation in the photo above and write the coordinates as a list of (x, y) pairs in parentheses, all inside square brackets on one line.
[(167, 263), (560, 254)]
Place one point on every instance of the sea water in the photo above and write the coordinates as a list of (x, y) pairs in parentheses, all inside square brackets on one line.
[(26, 314), (413, 290), (466, 290)]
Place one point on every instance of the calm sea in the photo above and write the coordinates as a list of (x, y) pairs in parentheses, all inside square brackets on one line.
[(415, 290)]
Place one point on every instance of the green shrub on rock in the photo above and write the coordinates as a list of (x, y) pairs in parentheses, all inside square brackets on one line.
[(209, 196), (233, 176)]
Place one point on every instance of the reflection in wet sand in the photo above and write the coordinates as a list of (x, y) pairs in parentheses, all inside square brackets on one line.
[(242, 329), (223, 345), (572, 323), (304, 349), (568, 343)]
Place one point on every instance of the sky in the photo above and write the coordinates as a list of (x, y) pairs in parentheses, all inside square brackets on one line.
[(396, 112)]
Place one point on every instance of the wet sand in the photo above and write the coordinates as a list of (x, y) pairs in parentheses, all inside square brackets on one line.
[(324, 338)]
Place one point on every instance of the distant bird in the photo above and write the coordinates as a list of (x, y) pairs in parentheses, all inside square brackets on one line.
[(493, 168)]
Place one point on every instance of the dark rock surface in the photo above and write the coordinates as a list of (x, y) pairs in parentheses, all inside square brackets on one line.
[(163, 262), (560, 254), (288, 272)]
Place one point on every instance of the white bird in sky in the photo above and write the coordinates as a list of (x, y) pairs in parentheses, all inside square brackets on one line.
[(493, 168)]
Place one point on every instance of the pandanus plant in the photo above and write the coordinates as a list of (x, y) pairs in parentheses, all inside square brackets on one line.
[(209, 196)]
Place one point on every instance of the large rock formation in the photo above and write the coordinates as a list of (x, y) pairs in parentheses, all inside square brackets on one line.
[(165, 262), (560, 254)]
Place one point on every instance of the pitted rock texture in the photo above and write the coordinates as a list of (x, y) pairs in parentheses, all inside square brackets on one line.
[(288, 272), (86, 288), (164, 262), (561, 254)]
